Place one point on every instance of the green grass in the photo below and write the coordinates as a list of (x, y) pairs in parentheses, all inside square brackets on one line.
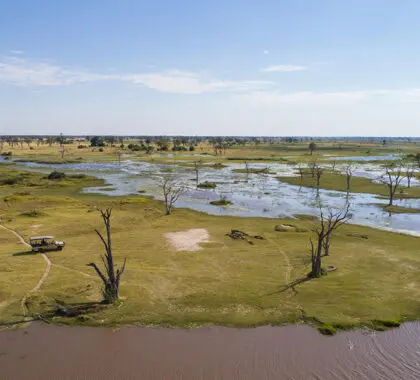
[(399, 209), (335, 181), (228, 282)]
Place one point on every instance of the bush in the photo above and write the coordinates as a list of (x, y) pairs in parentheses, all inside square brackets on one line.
[(179, 148), (10, 181), (7, 154), (81, 146), (32, 213), (386, 323), (221, 202), (192, 148), (327, 330), (56, 175), (207, 185), (101, 149)]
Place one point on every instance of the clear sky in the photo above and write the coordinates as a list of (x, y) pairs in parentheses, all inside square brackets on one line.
[(220, 67)]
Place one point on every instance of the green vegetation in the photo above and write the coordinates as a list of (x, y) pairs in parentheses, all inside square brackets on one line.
[(253, 171), (221, 202), (399, 209), (207, 185), (336, 181), (327, 330), (226, 283)]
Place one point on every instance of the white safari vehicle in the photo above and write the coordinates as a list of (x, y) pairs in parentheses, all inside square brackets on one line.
[(45, 244)]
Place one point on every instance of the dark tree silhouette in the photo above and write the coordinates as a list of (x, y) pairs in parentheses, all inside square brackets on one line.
[(392, 179), (111, 277), (348, 170), (328, 224), (311, 147), (171, 192)]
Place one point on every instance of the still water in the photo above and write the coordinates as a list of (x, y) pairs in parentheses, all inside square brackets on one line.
[(43, 352), (261, 195)]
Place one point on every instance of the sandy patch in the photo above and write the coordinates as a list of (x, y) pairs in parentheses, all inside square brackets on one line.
[(188, 240)]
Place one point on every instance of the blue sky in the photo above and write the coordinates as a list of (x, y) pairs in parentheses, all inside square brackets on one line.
[(275, 67)]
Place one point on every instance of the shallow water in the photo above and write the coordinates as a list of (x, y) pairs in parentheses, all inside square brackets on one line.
[(264, 353), (257, 195), (366, 158)]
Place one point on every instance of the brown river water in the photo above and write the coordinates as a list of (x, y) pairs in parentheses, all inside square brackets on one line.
[(295, 352)]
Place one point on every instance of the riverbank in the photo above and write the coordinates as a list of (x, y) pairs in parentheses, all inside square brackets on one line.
[(226, 282)]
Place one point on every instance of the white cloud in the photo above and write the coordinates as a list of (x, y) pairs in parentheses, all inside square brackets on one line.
[(272, 98), (17, 52), (22, 72), (284, 68), (191, 83), (266, 52)]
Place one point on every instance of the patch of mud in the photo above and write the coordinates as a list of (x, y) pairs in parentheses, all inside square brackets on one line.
[(188, 240)]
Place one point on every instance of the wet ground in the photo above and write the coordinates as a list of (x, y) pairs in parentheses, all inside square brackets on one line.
[(260, 195), (43, 352)]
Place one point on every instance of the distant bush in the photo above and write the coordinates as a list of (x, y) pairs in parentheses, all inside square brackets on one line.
[(179, 148), (81, 146), (221, 202), (56, 175), (191, 148), (207, 185), (7, 154), (101, 149), (33, 213), (10, 181)]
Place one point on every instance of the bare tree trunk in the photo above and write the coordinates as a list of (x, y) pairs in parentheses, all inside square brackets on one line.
[(111, 278)]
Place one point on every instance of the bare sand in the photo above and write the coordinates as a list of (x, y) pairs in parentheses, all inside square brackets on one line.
[(188, 240)]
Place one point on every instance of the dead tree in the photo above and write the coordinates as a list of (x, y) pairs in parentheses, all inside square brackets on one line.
[(111, 277), (301, 172), (171, 192), (328, 224), (392, 179), (318, 173), (409, 174), (312, 167), (348, 171), (197, 167)]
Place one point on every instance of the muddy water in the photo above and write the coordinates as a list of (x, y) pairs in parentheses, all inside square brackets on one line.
[(295, 352)]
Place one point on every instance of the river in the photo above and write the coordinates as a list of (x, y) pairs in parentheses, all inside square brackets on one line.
[(43, 352)]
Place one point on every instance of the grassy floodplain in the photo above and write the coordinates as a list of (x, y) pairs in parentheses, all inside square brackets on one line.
[(332, 180), (227, 282)]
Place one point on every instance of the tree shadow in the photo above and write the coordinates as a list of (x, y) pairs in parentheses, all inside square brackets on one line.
[(26, 253), (290, 285)]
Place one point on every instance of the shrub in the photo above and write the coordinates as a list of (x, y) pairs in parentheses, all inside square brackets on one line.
[(7, 154), (101, 149), (386, 323), (32, 213), (9, 181), (221, 202), (327, 330), (207, 185), (56, 175)]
